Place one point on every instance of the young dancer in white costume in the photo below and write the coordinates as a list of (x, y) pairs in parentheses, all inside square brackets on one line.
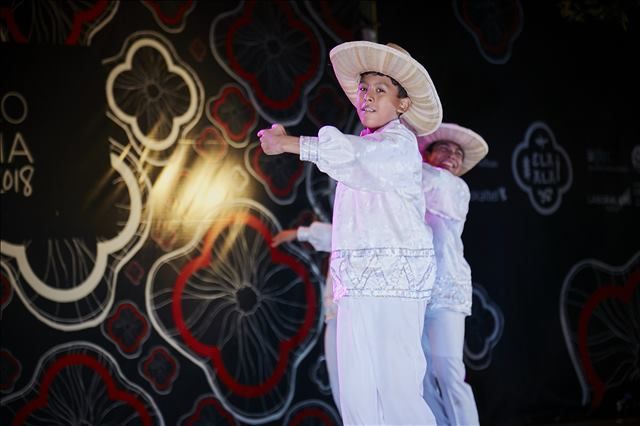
[(448, 153), (382, 261)]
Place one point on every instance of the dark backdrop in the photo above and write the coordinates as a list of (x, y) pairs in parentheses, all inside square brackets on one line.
[(553, 233), (138, 285)]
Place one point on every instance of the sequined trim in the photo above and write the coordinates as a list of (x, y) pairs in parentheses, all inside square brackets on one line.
[(383, 272), (383, 251), (309, 148), (451, 294)]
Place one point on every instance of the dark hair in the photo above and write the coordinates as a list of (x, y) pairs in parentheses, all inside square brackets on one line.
[(402, 93)]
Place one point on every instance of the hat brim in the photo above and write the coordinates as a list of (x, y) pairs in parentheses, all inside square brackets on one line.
[(474, 146), (351, 59)]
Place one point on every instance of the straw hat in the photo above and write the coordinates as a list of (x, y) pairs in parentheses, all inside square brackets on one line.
[(353, 58), (474, 146)]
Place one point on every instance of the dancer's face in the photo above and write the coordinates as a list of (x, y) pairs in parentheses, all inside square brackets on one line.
[(446, 155), (378, 102)]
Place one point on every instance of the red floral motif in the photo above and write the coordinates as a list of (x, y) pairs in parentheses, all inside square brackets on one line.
[(213, 352), (601, 296), (60, 20), (210, 411), (327, 106), (338, 18), (172, 18), (494, 24), (244, 312), (6, 13), (128, 328), (198, 49), (82, 17), (274, 52), (160, 369), (233, 112), (11, 369), (251, 75), (211, 144), (344, 32), (5, 290), (80, 360), (315, 413), (280, 174), (134, 272), (598, 313)]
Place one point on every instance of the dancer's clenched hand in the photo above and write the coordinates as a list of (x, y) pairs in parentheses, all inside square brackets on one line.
[(272, 140)]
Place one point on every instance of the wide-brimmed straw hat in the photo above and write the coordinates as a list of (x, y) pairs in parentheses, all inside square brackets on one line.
[(353, 58), (474, 146)]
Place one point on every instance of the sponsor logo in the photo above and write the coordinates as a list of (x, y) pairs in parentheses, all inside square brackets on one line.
[(542, 168)]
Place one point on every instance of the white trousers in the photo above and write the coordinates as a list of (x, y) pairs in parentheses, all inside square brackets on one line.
[(331, 358), (448, 395), (381, 364)]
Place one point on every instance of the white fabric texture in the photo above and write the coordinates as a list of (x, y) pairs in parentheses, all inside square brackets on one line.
[(331, 358), (330, 307), (381, 245), (448, 395), (318, 234), (380, 361), (447, 200), (445, 390)]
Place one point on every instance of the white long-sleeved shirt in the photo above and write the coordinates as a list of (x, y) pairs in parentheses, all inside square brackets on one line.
[(381, 245), (318, 234), (447, 200)]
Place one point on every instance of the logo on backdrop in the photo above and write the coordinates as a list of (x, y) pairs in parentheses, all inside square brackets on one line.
[(489, 195), (601, 160), (542, 168), (613, 184), (496, 194), (16, 160)]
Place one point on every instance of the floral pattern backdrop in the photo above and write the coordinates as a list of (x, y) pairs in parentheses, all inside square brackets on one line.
[(138, 282)]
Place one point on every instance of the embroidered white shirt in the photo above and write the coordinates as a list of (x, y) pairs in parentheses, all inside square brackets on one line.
[(447, 199), (447, 203), (381, 245)]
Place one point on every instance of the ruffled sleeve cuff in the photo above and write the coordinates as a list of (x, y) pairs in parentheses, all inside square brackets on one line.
[(309, 148)]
